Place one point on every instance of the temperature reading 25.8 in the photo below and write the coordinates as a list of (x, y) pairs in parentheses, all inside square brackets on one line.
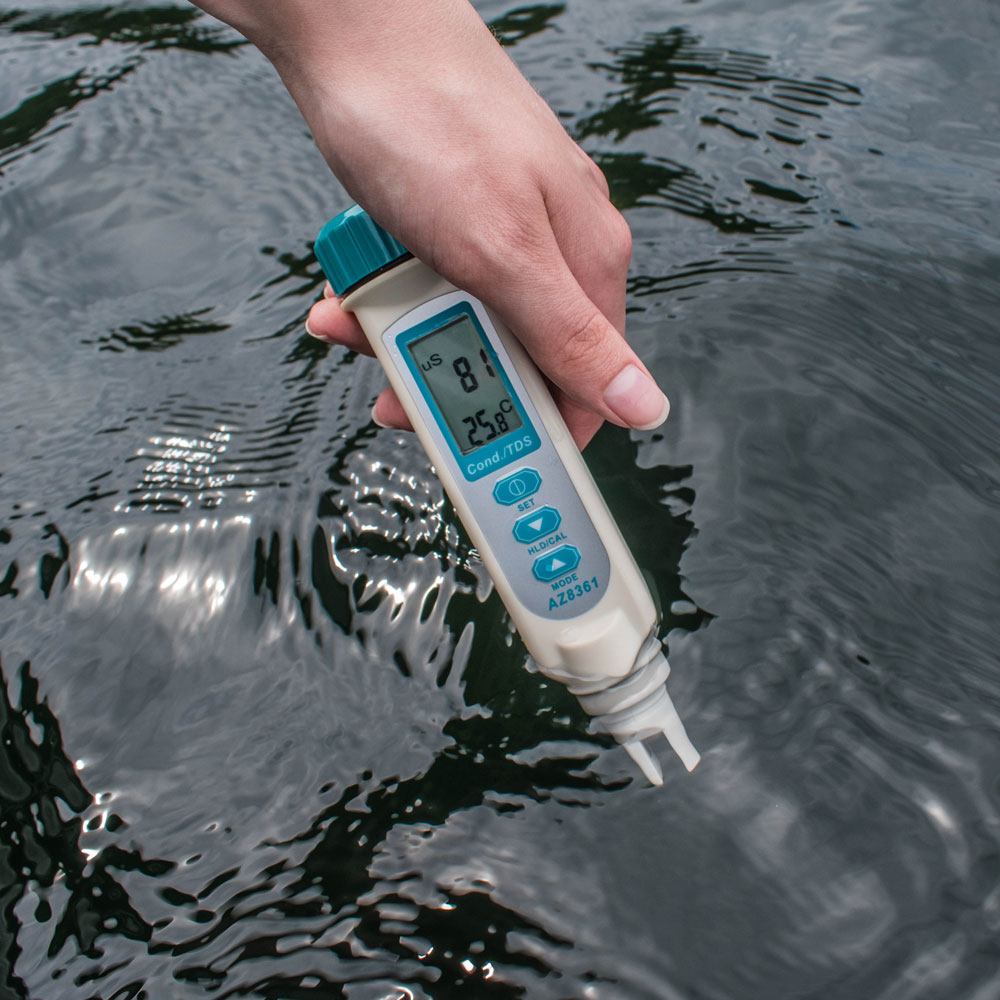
[(461, 377), (482, 427)]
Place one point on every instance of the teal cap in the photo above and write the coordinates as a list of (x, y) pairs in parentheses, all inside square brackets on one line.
[(353, 248)]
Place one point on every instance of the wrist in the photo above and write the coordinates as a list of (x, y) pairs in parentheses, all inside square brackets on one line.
[(337, 42), (373, 88)]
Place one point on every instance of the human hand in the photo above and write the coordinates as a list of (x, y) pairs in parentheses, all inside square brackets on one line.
[(431, 127)]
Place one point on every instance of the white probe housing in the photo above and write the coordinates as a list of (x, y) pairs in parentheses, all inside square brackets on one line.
[(524, 493)]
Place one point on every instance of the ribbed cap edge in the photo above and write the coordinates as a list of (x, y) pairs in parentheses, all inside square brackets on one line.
[(353, 247)]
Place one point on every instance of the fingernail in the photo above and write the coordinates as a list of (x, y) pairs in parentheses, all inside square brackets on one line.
[(636, 399), (309, 329), (328, 292), (376, 420)]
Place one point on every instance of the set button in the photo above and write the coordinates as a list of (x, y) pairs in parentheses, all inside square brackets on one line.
[(537, 524), (517, 486), (555, 564)]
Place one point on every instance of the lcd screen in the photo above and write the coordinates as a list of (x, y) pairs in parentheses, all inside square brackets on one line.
[(461, 375)]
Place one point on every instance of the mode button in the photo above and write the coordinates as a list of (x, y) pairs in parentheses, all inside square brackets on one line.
[(555, 564)]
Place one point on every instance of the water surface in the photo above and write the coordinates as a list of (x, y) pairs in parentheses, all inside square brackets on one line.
[(266, 729)]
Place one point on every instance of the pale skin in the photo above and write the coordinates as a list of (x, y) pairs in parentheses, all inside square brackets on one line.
[(430, 126)]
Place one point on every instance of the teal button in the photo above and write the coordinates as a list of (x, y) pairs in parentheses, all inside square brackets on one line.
[(516, 487), (537, 524), (555, 564)]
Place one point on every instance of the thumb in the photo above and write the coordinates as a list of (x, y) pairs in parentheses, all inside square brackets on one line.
[(578, 348)]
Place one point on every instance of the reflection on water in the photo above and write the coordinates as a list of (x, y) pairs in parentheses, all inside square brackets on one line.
[(49, 880), (266, 728), (515, 25), (159, 334), (745, 97), (138, 30)]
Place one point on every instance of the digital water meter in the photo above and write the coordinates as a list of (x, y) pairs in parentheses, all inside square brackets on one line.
[(517, 480)]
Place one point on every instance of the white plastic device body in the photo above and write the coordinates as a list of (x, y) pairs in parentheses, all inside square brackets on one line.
[(574, 592)]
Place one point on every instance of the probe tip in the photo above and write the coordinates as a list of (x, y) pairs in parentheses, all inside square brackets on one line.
[(645, 761)]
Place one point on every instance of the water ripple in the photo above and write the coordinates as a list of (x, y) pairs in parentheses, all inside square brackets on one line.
[(266, 728)]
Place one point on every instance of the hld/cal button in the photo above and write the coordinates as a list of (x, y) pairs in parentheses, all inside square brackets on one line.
[(555, 564), (516, 487), (536, 525)]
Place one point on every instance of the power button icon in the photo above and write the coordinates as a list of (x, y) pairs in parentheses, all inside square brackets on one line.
[(516, 486)]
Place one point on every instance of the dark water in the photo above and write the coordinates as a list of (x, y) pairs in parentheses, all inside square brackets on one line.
[(266, 731)]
